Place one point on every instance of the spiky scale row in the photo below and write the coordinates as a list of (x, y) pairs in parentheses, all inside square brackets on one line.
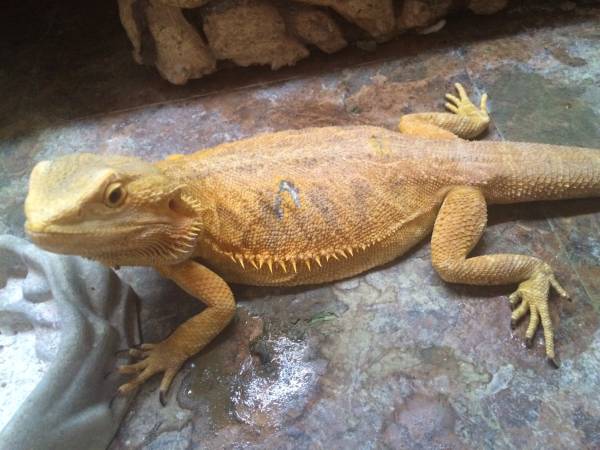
[(272, 262), (283, 266)]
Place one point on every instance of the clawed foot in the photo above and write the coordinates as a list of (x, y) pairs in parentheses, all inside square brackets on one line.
[(154, 358), (463, 106), (532, 297)]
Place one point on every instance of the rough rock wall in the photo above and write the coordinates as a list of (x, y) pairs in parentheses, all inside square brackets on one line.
[(270, 32)]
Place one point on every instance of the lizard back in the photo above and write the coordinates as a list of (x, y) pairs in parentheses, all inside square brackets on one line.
[(291, 207)]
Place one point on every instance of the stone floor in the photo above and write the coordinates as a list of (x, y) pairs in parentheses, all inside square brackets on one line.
[(395, 358)]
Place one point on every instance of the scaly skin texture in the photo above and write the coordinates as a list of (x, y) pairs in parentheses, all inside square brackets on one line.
[(304, 207)]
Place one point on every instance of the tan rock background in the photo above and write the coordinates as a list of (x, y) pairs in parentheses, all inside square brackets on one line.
[(185, 39)]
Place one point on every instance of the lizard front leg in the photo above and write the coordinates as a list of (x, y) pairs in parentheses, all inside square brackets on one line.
[(465, 120), (458, 227), (169, 355)]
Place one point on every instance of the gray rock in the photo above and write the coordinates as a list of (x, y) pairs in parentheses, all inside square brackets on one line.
[(74, 405)]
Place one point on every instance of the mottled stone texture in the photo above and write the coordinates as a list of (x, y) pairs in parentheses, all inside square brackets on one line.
[(376, 17), (177, 50), (181, 53), (314, 26), (418, 13), (250, 32), (395, 358), (269, 32)]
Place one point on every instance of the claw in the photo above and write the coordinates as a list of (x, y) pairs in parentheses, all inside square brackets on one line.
[(483, 103), (529, 342), (554, 361), (137, 353), (558, 288), (126, 388), (112, 399), (161, 398)]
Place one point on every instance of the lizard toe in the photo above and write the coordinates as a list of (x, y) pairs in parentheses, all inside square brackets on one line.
[(155, 359), (463, 106), (520, 310), (137, 353), (165, 383), (132, 368), (136, 381), (533, 297)]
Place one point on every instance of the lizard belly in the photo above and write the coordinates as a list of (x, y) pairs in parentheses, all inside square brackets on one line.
[(382, 252), (293, 208)]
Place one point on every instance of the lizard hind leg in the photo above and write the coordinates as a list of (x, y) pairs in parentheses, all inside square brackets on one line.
[(458, 227), (465, 120)]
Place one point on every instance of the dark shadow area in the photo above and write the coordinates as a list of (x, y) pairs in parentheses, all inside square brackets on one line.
[(541, 210)]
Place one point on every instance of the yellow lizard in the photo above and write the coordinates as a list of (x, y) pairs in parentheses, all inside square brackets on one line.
[(303, 207)]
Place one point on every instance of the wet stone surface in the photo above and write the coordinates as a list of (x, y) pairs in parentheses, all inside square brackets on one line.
[(395, 358)]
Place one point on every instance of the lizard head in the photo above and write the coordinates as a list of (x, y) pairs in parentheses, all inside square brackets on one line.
[(114, 209)]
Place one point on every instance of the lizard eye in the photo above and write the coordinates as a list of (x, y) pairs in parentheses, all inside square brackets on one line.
[(114, 195)]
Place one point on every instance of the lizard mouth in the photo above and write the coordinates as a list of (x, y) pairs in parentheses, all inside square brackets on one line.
[(143, 243), (81, 241)]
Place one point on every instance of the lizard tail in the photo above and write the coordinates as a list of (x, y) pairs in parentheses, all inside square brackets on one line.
[(534, 172)]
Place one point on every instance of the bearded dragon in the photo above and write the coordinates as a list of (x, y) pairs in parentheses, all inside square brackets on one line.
[(304, 207)]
